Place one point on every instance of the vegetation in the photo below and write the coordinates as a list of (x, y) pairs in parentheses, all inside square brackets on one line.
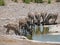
[(2, 3), (49, 1), (36, 1), (15, 0), (27, 1), (39, 1)]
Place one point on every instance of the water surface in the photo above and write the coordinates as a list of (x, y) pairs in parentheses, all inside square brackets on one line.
[(44, 35)]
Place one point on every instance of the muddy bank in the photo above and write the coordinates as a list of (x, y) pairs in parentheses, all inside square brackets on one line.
[(17, 40)]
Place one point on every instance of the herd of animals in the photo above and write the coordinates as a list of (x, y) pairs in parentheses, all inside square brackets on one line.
[(28, 23)]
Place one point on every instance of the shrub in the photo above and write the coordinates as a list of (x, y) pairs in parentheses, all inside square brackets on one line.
[(32, 0), (49, 1), (26, 1), (35, 1), (2, 3), (39, 1)]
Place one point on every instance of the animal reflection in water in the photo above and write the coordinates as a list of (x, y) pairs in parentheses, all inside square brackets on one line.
[(26, 25)]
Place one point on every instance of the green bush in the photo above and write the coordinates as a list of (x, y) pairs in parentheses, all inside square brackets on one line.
[(35, 1), (39, 1), (2, 3), (49, 1), (26, 1), (32, 0)]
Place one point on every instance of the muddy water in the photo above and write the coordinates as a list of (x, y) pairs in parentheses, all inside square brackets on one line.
[(43, 35)]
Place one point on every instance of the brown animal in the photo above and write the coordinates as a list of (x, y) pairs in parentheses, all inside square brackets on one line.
[(31, 15), (13, 27), (22, 22), (25, 25)]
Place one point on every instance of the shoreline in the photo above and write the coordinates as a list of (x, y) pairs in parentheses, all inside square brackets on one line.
[(45, 42), (11, 39)]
